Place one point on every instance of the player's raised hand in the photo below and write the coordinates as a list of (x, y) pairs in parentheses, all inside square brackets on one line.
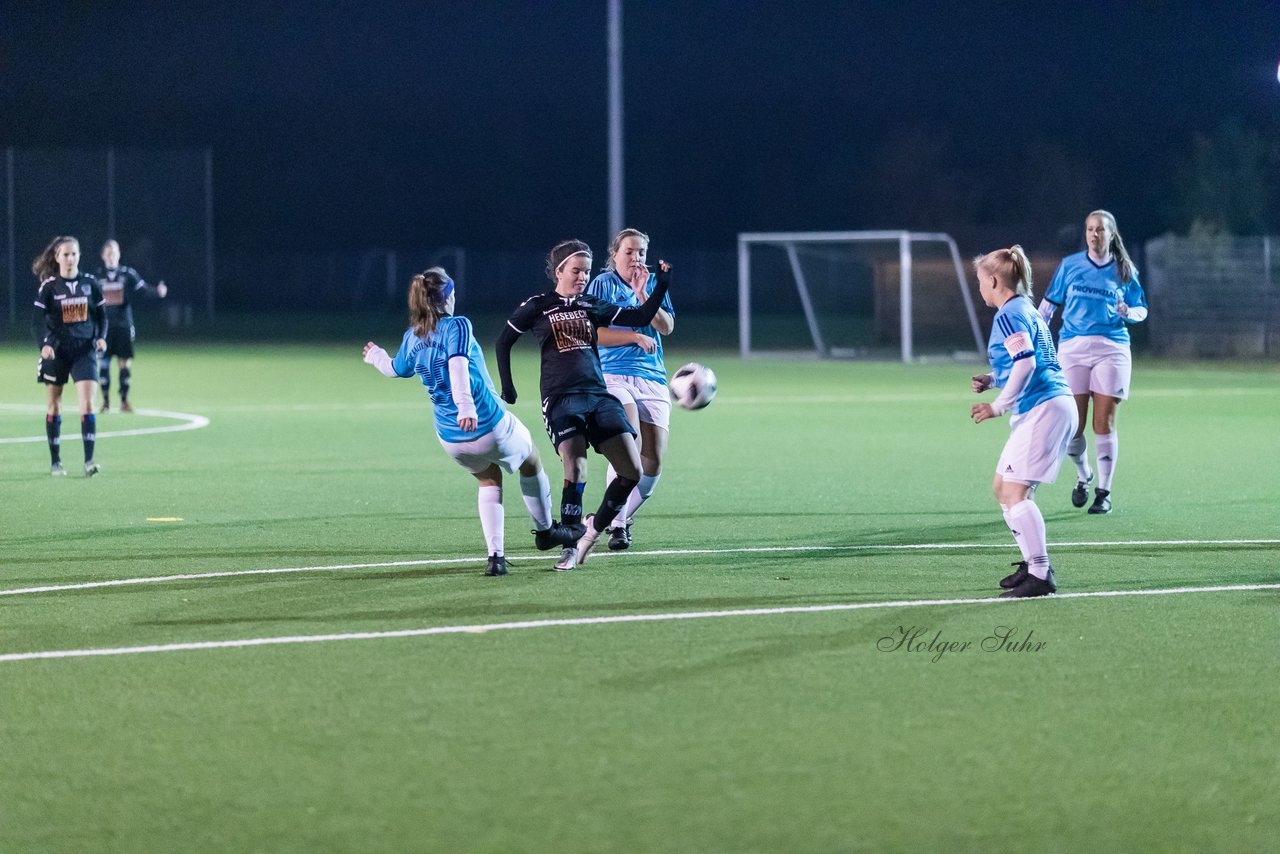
[(664, 273), (638, 279)]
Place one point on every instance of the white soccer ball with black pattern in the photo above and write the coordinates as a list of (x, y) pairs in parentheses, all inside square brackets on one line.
[(693, 386)]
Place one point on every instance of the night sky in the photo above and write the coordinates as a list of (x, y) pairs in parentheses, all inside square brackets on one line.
[(483, 124)]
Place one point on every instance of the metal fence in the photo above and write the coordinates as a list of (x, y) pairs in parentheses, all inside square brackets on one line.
[(1213, 296)]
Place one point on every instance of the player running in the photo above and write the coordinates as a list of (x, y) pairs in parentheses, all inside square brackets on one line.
[(634, 372), (119, 285), (576, 406), (1100, 297), (70, 325), (1025, 366), (472, 424)]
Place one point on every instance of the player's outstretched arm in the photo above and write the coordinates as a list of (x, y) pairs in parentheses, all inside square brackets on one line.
[(376, 356)]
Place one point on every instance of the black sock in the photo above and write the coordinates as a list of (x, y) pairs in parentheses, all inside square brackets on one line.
[(571, 502), (53, 429), (125, 375), (88, 426), (615, 498), (104, 380)]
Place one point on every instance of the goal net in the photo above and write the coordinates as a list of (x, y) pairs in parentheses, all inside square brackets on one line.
[(855, 294)]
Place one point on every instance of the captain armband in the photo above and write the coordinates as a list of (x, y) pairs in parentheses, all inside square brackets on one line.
[(1017, 344)]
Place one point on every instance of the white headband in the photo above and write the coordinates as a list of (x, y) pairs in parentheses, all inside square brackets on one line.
[(567, 257)]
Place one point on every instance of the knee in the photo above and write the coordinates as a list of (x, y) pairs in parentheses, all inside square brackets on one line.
[(650, 465)]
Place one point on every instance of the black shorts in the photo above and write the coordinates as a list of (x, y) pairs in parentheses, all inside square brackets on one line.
[(77, 361), (598, 416), (119, 341)]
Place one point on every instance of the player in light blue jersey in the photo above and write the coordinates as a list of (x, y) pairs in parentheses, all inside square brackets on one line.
[(631, 358), (1042, 420), (1100, 297), (473, 425)]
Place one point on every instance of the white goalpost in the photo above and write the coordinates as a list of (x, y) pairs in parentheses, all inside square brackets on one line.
[(843, 296)]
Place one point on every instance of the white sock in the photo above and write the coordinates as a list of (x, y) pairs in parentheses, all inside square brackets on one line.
[(1108, 450), (638, 496), (1076, 449), (1017, 535), (492, 517), (537, 499), (1025, 518)]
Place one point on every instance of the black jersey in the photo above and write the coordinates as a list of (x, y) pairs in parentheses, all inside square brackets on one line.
[(119, 284), (69, 311), (566, 330)]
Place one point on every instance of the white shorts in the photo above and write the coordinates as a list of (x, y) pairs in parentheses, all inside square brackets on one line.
[(1096, 364), (650, 398), (508, 444), (1038, 441)]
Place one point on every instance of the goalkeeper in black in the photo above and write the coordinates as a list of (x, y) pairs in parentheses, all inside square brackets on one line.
[(576, 406)]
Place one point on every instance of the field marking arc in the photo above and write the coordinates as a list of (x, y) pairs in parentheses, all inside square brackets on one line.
[(189, 422), (237, 573), (612, 620)]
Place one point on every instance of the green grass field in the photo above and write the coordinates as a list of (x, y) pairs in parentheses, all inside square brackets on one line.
[(768, 723)]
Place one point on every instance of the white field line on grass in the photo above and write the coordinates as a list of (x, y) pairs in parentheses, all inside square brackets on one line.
[(237, 573), (597, 621), (189, 422), (958, 395)]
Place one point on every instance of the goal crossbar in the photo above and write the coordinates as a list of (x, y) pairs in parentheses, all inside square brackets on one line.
[(787, 240)]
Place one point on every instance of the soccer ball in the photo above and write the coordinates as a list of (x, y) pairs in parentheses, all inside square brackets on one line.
[(693, 386)]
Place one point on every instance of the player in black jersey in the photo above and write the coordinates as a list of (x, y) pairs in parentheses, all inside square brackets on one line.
[(70, 325), (576, 406), (119, 285)]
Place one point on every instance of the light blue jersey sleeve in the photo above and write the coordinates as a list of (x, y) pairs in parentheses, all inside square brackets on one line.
[(429, 359), (629, 360), (1019, 332)]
